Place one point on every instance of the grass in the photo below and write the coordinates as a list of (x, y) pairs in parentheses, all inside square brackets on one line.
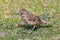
[(8, 19)]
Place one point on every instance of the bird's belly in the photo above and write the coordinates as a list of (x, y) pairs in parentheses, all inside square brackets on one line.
[(31, 23)]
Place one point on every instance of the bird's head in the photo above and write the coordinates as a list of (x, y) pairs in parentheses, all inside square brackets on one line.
[(22, 12)]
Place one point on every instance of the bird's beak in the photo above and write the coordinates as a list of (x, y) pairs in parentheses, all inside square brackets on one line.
[(18, 13)]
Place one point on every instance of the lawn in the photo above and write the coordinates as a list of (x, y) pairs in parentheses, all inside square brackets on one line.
[(8, 19)]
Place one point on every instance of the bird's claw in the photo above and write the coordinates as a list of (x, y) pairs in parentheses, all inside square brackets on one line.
[(29, 32)]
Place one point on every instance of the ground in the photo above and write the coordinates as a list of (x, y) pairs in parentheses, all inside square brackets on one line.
[(41, 8)]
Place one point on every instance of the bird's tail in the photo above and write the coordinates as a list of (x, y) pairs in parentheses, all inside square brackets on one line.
[(45, 22)]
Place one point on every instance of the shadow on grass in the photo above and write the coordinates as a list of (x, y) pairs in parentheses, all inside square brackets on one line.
[(37, 26)]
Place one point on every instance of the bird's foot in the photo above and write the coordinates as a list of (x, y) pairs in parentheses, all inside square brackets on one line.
[(24, 32), (27, 32), (30, 31)]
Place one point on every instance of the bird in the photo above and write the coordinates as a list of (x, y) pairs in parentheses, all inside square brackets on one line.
[(30, 19)]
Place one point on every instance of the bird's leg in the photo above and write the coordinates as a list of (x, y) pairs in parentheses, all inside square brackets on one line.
[(31, 30)]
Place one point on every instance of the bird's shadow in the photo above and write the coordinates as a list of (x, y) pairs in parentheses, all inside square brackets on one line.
[(37, 26)]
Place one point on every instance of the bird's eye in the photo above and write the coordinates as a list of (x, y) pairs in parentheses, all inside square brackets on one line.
[(21, 13)]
